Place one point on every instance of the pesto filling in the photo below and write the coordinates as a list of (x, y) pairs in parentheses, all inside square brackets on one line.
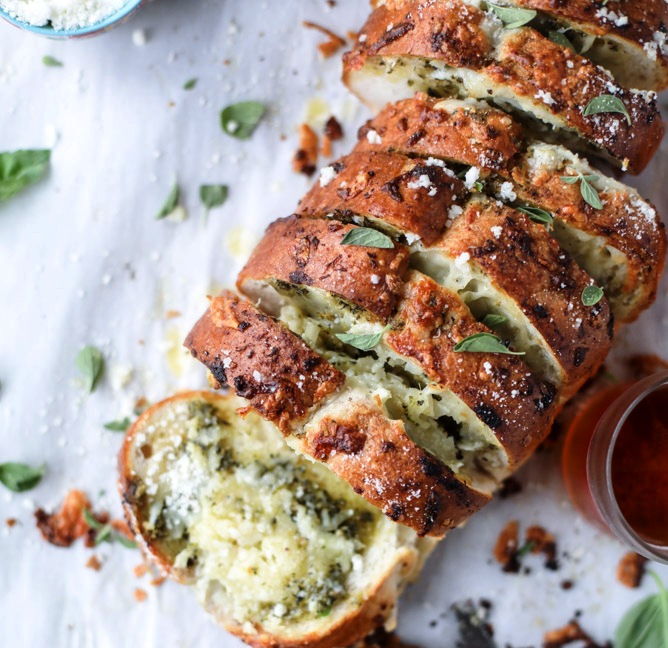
[(269, 535)]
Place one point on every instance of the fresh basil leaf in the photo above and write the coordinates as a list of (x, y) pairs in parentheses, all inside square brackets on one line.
[(367, 237), (241, 119), (190, 84), (645, 625), (171, 202), (484, 343), (363, 341), (118, 426), (19, 477), (561, 39), (126, 542), (511, 17), (492, 320), (537, 215), (213, 195), (591, 295), (50, 61), (19, 169), (589, 194), (90, 363), (90, 520), (606, 103)]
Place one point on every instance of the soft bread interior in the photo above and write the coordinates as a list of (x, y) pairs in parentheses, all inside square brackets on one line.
[(436, 419), (274, 543)]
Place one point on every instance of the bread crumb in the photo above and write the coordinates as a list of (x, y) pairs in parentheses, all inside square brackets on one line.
[(140, 570), (306, 157), (140, 595), (332, 45), (94, 563), (631, 569)]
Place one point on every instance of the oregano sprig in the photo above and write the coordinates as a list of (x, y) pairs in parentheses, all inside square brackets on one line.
[(589, 194)]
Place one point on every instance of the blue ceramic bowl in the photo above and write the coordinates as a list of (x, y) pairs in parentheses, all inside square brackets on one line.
[(119, 16)]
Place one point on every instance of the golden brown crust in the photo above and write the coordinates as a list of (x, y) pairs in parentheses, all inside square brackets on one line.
[(261, 360), (525, 263), (376, 457), (418, 127), (308, 252), (483, 137), (410, 196), (510, 399), (551, 77)]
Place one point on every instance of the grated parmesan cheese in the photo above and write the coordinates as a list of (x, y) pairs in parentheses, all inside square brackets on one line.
[(62, 14)]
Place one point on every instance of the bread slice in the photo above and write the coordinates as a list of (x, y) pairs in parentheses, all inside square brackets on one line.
[(278, 549), (505, 408), (629, 39), (352, 425), (622, 245), (454, 49)]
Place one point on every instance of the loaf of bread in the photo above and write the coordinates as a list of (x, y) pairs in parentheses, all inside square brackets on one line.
[(457, 48), (278, 550), (405, 339)]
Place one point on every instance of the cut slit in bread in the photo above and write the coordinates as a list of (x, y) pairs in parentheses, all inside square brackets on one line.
[(495, 259), (622, 246), (368, 447), (278, 549), (453, 49)]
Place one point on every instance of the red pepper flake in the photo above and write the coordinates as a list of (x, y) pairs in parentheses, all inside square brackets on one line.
[(140, 570), (305, 159), (140, 595), (569, 634), (157, 582), (631, 569), (11, 522), (330, 46)]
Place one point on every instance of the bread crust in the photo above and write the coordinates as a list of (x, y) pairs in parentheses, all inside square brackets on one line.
[(418, 127), (309, 252), (375, 455), (549, 76), (525, 263), (375, 608), (508, 398), (474, 134), (411, 197), (262, 361)]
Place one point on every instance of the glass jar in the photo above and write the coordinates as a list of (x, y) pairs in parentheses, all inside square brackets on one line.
[(589, 450)]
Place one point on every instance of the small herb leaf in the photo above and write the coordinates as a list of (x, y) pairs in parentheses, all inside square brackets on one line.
[(90, 520), (19, 477), (484, 343), (171, 202), (50, 61), (126, 542), (118, 426), (363, 341), (645, 625), (526, 548), (367, 237), (19, 169), (561, 39), (589, 194), (90, 363), (570, 179), (213, 195), (241, 119), (537, 215), (591, 295), (190, 84), (104, 534), (512, 17), (606, 103), (492, 320)]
